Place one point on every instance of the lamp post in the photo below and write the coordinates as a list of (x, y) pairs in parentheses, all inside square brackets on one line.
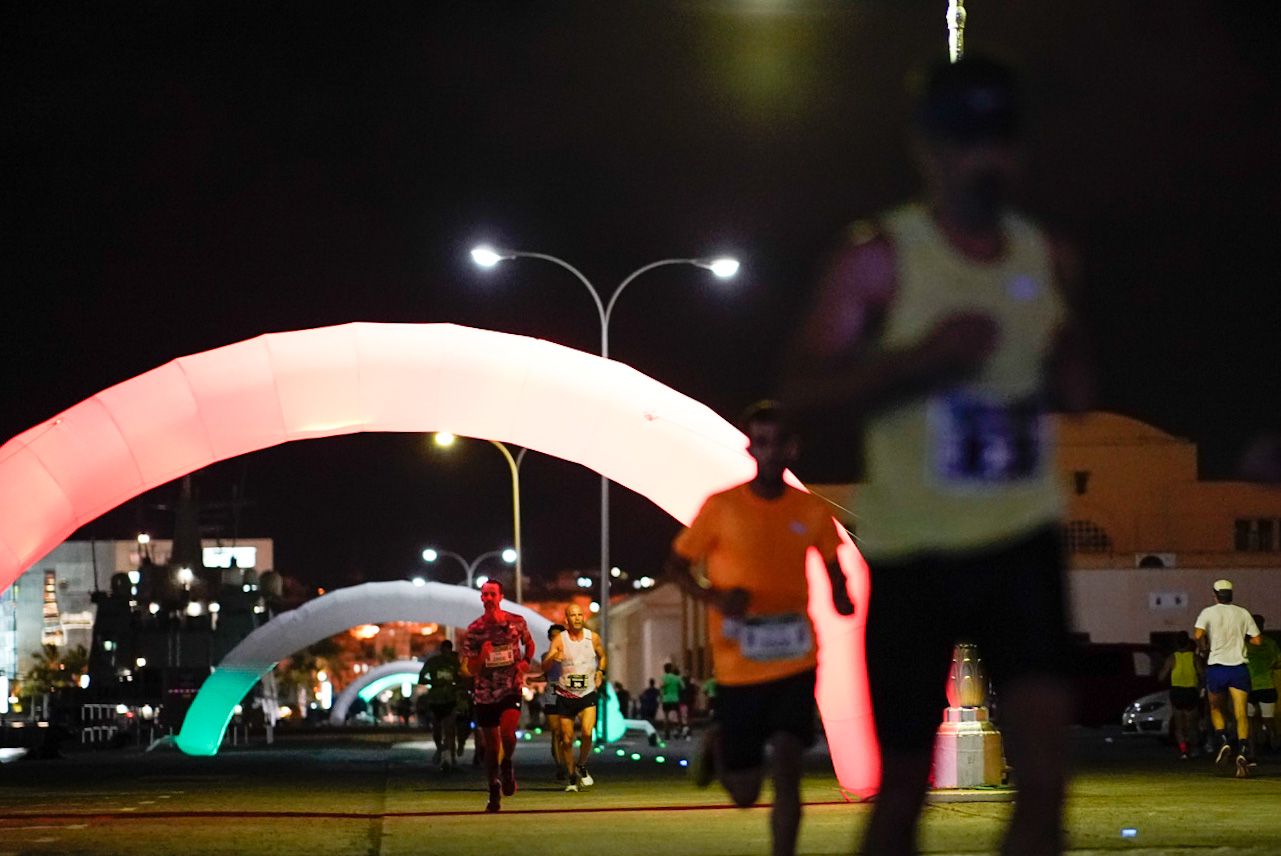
[(723, 268), (431, 555), (444, 439)]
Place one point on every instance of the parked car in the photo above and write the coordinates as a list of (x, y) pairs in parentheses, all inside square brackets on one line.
[(1148, 716)]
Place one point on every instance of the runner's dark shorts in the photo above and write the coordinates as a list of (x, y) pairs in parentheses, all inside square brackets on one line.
[(569, 707), (1185, 698), (1262, 696), (490, 715), (750, 714), (671, 707), (1009, 600), (440, 711)]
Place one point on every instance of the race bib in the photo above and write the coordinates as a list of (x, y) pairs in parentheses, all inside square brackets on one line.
[(445, 676), (500, 656), (771, 637), (575, 682), (977, 442)]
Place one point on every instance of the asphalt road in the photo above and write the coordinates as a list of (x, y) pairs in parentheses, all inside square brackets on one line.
[(376, 794)]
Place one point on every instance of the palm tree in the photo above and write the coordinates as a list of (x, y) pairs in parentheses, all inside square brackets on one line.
[(54, 671)]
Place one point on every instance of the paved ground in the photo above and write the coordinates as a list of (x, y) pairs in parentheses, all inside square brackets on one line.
[(376, 795)]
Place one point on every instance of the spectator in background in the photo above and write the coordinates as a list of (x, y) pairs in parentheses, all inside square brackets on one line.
[(650, 698), (624, 699), (671, 699)]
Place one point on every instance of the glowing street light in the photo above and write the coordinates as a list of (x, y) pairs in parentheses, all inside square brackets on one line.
[(444, 439), (722, 267), (508, 555)]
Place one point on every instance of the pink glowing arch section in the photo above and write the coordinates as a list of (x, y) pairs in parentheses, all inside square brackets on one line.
[(208, 407)]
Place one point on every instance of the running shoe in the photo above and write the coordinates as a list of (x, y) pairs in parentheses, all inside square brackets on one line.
[(572, 787), (1224, 757), (585, 778), (508, 778), (1243, 767), (495, 801)]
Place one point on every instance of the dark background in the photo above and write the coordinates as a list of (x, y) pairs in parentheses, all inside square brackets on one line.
[(180, 177)]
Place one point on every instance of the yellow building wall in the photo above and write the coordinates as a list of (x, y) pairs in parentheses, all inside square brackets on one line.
[(1142, 489)]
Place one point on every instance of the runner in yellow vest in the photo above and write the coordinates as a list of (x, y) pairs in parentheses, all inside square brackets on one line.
[(944, 329), (1186, 673)]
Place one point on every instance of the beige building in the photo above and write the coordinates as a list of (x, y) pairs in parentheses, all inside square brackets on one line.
[(1146, 538)]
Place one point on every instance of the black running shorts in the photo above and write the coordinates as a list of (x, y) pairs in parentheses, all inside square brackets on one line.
[(751, 714), (1009, 600), (490, 715)]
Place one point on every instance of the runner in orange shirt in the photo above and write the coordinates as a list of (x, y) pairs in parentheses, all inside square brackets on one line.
[(754, 540)]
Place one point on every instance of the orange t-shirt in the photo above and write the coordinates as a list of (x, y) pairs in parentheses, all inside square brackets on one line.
[(761, 545)]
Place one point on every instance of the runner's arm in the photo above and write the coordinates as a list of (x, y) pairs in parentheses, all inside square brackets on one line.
[(1167, 668), (529, 648), (731, 602), (836, 359), (600, 659), (555, 653)]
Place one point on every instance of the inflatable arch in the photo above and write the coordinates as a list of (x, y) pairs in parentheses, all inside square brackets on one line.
[(261, 650), (356, 377), (370, 684)]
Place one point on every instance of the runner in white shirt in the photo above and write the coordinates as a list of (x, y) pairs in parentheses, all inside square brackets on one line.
[(1224, 629), (581, 659)]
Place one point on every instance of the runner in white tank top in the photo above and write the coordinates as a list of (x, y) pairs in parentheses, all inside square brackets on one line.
[(581, 659)]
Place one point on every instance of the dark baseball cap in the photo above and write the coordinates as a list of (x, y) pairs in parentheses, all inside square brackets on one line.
[(974, 99)]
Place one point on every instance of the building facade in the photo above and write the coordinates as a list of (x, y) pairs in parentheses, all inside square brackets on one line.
[(53, 601), (1146, 536)]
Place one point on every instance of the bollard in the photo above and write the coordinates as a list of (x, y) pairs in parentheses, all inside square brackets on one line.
[(967, 750)]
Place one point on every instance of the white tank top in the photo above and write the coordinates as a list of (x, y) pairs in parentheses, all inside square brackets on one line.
[(578, 667)]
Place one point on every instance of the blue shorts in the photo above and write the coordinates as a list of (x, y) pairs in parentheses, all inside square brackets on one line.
[(1218, 679)]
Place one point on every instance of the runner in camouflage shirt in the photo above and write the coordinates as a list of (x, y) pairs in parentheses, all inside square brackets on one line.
[(497, 649)]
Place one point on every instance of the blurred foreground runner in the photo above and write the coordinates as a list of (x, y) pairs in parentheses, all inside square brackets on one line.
[(944, 327)]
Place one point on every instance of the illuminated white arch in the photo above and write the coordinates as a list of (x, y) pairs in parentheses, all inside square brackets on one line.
[(367, 685), (289, 632), (207, 407)]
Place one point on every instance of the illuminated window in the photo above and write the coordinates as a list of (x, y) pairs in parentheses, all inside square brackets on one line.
[(1084, 536)]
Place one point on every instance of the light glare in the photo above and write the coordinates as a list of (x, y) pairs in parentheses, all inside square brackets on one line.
[(724, 267), (485, 256)]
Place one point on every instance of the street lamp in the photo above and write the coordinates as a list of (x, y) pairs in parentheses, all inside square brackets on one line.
[(444, 439), (722, 267), (432, 555)]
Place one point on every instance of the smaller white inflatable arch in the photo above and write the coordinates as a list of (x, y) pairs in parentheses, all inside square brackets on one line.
[(408, 669), (290, 632)]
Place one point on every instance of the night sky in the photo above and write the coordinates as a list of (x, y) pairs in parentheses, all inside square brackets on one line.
[(184, 176)]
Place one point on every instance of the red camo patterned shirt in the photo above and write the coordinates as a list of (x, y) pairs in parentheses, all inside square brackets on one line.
[(497, 679)]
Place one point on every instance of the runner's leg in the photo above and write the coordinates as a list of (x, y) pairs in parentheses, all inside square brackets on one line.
[(1037, 715), (785, 819), (586, 728)]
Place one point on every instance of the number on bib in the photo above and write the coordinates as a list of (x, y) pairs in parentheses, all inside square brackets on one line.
[(979, 442), (775, 637), (503, 655)]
